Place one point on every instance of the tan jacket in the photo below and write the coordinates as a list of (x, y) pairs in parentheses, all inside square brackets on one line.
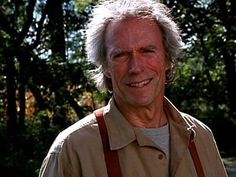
[(77, 151)]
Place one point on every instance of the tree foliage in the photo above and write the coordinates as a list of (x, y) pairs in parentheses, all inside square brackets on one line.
[(209, 33), (206, 74), (43, 79), (42, 52)]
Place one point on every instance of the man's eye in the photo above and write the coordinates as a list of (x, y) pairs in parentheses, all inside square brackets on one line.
[(148, 50), (118, 55)]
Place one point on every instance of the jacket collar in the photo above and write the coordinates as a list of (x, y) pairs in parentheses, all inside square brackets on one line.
[(121, 132), (181, 133)]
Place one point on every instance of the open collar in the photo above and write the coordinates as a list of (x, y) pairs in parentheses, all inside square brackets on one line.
[(181, 132), (121, 132)]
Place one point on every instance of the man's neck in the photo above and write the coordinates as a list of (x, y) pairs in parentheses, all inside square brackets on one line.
[(152, 116)]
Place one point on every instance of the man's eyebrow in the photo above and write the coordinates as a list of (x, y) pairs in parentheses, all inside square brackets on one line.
[(117, 51), (149, 47), (121, 50)]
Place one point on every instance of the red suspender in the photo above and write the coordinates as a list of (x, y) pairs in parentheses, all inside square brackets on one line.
[(111, 156), (196, 160)]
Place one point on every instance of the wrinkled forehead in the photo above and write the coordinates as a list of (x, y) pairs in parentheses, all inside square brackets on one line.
[(133, 33)]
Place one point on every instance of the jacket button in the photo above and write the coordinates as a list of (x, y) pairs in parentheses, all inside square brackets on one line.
[(160, 156)]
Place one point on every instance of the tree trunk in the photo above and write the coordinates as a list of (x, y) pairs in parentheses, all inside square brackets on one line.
[(42, 105), (22, 100), (76, 107), (56, 27), (11, 94)]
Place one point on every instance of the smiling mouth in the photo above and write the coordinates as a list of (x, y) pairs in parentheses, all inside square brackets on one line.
[(140, 84)]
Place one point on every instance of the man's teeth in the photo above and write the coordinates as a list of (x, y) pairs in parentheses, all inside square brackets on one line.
[(140, 84)]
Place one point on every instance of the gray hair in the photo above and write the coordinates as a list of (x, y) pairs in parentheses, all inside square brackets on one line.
[(115, 10)]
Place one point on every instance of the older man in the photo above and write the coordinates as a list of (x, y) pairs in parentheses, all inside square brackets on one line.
[(139, 133)]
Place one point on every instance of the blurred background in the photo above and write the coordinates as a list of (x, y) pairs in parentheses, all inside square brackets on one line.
[(45, 83)]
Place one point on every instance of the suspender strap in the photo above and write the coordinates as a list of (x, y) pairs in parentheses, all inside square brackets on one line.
[(112, 159), (195, 157), (111, 156)]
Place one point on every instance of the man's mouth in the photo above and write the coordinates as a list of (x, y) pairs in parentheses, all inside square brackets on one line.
[(140, 84)]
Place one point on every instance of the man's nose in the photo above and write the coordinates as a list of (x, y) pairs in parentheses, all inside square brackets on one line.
[(135, 64)]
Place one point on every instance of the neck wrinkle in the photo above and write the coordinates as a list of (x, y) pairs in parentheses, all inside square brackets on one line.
[(144, 117)]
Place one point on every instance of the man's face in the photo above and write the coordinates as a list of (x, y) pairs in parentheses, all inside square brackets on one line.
[(136, 62)]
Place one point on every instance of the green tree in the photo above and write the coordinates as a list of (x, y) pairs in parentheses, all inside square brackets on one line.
[(205, 75), (42, 52), (208, 28)]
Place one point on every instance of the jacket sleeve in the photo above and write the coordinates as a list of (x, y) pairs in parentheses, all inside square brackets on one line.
[(213, 155), (61, 160), (54, 166), (207, 149), (220, 168)]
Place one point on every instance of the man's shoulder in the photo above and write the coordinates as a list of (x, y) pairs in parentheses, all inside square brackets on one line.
[(74, 133), (83, 123), (195, 123)]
